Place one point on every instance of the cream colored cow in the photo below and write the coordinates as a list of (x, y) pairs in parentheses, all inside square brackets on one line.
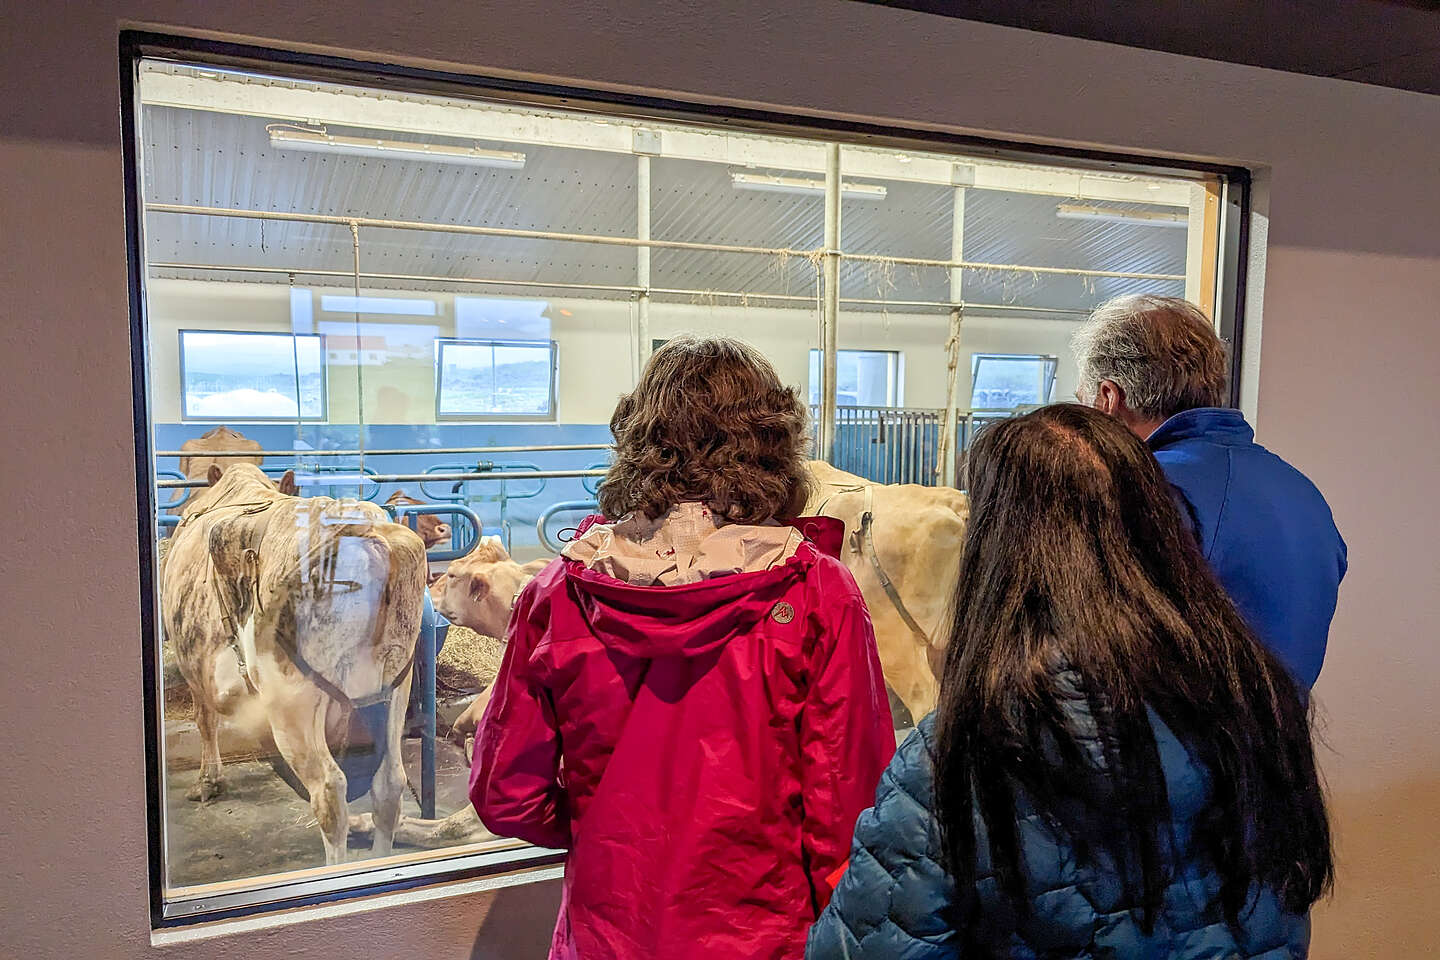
[(913, 540), (310, 606)]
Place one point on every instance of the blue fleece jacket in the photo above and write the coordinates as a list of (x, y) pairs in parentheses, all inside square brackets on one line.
[(1264, 527)]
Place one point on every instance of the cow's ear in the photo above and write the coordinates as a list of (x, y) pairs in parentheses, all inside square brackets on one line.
[(212, 476), (479, 587), (287, 484)]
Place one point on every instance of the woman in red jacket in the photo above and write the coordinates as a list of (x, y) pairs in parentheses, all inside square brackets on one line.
[(691, 701)]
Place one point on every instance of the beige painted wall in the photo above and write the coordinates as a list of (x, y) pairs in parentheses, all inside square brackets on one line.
[(594, 345), (1351, 337)]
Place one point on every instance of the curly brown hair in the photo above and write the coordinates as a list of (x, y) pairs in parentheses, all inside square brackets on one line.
[(709, 421)]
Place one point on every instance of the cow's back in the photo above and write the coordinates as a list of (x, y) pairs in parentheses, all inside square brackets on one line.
[(916, 534), (344, 587)]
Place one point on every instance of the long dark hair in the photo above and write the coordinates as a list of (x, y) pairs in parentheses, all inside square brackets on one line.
[(709, 421), (1079, 583)]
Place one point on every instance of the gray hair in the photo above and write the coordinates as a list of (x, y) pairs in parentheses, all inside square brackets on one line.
[(1162, 351)]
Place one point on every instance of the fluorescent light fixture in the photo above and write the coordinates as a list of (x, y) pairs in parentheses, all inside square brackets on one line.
[(1144, 218), (298, 138), (804, 186), (395, 306)]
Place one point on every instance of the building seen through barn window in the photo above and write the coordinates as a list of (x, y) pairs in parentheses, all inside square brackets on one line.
[(384, 334)]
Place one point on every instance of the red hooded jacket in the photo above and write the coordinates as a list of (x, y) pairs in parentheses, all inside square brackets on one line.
[(702, 751)]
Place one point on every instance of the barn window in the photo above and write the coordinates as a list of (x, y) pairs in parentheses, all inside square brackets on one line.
[(361, 285), (863, 378), (494, 380), (227, 375), (1004, 381)]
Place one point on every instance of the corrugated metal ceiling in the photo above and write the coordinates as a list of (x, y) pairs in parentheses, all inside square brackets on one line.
[(212, 159)]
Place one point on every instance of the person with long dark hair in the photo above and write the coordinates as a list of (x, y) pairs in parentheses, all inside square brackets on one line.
[(1117, 767)]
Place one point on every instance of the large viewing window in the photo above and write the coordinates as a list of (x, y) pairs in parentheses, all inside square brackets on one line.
[(494, 380), (251, 376), (351, 301)]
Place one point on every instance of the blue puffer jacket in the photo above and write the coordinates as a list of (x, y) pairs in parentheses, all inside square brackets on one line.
[(897, 901)]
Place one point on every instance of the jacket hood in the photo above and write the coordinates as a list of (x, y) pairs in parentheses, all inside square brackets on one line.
[(692, 618), (1220, 425)]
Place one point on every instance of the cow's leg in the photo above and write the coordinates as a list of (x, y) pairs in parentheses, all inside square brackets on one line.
[(388, 787), (210, 783), (298, 724)]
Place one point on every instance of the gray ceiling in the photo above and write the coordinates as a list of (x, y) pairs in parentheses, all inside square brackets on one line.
[(1390, 43), (212, 159)]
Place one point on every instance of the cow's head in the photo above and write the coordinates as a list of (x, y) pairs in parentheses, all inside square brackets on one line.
[(478, 590), (236, 482), (434, 531)]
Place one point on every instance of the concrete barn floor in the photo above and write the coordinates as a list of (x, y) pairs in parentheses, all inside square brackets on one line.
[(260, 826)]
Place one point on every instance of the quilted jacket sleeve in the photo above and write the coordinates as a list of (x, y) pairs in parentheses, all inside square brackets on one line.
[(515, 776), (846, 733), (895, 899)]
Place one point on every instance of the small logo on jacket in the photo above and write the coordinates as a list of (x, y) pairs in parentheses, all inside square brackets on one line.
[(782, 612)]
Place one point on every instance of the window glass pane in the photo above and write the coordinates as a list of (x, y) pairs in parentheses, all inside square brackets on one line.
[(1005, 382), (868, 378), (495, 378), (405, 418), (251, 376)]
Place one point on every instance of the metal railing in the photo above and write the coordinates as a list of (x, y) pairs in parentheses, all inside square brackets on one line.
[(902, 444)]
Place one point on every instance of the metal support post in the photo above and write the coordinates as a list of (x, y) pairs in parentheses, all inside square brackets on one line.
[(425, 676), (948, 448), (642, 259), (830, 304)]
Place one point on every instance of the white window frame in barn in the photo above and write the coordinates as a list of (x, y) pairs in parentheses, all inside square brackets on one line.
[(894, 388), (442, 414), (1045, 365), (811, 148), (290, 369)]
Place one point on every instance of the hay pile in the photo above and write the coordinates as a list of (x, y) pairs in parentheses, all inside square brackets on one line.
[(469, 662)]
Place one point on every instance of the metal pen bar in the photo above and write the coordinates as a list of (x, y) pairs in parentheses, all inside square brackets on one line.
[(606, 239), (633, 289), (559, 448), (467, 229), (342, 480)]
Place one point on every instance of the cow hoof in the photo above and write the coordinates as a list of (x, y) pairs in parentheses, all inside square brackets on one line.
[(206, 790)]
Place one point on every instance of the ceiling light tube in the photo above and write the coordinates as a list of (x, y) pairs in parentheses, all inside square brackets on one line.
[(1144, 218), (804, 186), (287, 138)]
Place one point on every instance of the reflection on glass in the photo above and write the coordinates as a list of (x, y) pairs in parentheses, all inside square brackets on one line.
[(1001, 381), (251, 376), (481, 378)]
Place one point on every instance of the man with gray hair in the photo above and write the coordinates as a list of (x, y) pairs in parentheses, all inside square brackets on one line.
[(1157, 364)]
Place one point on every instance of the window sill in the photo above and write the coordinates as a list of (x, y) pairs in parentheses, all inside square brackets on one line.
[(360, 904)]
